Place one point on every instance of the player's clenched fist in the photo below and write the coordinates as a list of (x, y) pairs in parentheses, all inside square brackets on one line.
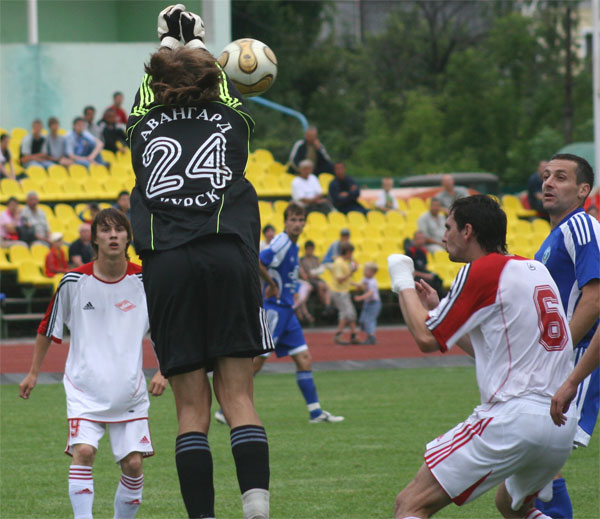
[(192, 30), (401, 270), (169, 27), (27, 385)]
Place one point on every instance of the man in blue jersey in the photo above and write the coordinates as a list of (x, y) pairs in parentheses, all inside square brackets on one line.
[(571, 252), (279, 266)]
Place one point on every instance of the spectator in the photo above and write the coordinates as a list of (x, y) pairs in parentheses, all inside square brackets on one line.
[(6, 168), (371, 302), (334, 249), (307, 191), (449, 192), (341, 271), (310, 271), (89, 114), (34, 224), (56, 262), (9, 221), (386, 201), (112, 133), (81, 250), (432, 225), (344, 191), (123, 204), (418, 253), (82, 147), (534, 190), (120, 114), (268, 232), (92, 209), (33, 147), (56, 146), (310, 148)]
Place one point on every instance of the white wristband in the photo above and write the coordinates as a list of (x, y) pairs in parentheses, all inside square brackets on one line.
[(401, 269), (170, 42)]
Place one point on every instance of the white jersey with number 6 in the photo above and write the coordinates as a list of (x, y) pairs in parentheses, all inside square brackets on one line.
[(103, 380), (511, 309)]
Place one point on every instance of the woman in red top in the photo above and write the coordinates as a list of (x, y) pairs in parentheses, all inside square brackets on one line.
[(56, 261)]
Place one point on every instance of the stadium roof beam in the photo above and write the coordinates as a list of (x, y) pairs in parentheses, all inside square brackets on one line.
[(32, 22)]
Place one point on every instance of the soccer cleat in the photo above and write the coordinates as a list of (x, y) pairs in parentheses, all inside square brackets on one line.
[(338, 339), (220, 417), (370, 340), (326, 416)]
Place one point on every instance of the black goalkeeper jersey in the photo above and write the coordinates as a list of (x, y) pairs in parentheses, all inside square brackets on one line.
[(189, 164)]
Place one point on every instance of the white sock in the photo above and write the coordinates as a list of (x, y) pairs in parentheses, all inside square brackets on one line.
[(81, 491), (255, 503), (534, 513), (128, 497)]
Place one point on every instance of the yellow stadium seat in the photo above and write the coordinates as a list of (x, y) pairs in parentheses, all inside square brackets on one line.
[(376, 218), (285, 183), (47, 210), (37, 173), (5, 264), (65, 212), (108, 156), (58, 172), (279, 206), (123, 156), (540, 226), (325, 179), (38, 254), (17, 133), (356, 219), (10, 187), (73, 189), (395, 218), (30, 184), (417, 206), (317, 220), (261, 155), (29, 273), (112, 187), (277, 169), (78, 172), (18, 254), (511, 203), (118, 169), (93, 189), (52, 190), (99, 171), (337, 220)]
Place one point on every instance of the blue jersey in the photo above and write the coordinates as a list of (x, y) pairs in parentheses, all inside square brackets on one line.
[(571, 253), (281, 260)]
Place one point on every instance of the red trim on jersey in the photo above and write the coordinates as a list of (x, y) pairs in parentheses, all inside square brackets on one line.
[(132, 268), (462, 498), (479, 290), (43, 326)]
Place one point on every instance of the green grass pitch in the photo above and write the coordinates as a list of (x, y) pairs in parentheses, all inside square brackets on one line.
[(349, 470)]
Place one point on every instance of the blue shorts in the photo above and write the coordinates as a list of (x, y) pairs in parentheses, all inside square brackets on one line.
[(285, 329), (587, 401)]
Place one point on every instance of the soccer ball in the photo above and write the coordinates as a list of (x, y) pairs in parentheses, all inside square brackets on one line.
[(251, 65)]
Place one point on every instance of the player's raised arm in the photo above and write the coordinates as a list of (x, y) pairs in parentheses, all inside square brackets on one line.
[(42, 343), (401, 270)]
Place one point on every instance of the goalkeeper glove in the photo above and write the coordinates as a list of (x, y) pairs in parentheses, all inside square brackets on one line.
[(169, 27), (401, 270), (192, 30)]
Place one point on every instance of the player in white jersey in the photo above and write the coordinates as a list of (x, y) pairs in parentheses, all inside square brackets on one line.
[(506, 312), (104, 306)]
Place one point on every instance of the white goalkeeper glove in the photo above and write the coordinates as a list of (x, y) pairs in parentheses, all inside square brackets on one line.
[(401, 269), (169, 29), (192, 30)]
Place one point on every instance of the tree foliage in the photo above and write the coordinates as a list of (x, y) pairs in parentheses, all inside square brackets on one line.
[(444, 86)]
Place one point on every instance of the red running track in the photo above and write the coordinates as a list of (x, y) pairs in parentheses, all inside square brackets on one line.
[(392, 343)]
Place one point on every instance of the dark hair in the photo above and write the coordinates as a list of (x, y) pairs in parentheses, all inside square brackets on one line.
[(94, 206), (108, 216), (267, 227), (117, 93), (12, 199), (37, 121), (77, 119), (583, 172), (184, 77), (309, 243), (293, 208), (487, 219), (346, 247), (88, 107), (52, 120), (3, 137), (124, 192)]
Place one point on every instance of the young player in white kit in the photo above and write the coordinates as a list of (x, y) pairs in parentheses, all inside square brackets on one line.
[(506, 312), (104, 306)]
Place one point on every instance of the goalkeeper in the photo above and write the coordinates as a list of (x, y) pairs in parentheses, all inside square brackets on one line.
[(197, 228)]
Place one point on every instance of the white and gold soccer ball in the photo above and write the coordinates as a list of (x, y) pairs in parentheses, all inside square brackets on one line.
[(250, 64)]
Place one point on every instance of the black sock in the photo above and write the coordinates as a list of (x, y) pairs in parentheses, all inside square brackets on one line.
[(195, 470), (251, 454)]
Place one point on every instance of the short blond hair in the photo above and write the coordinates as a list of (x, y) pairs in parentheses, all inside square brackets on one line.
[(371, 265)]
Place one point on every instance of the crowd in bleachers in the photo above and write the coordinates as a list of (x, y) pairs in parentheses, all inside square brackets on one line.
[(63, 181)]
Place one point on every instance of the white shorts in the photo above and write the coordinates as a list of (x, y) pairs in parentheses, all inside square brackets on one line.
[(125, 437), (515, 442)]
